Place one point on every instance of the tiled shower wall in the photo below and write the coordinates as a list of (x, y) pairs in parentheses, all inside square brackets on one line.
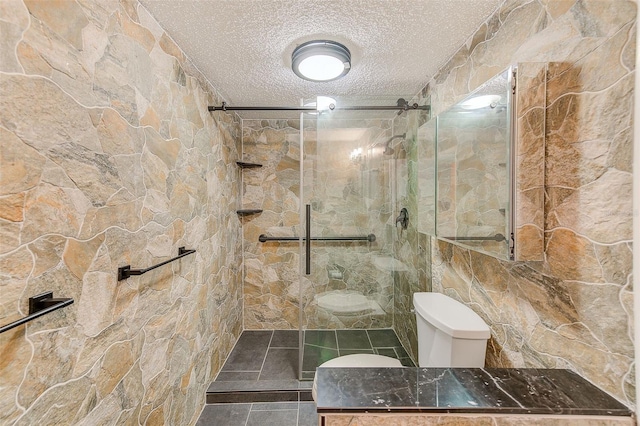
[(574, 309), (109, 157), (271, 270)]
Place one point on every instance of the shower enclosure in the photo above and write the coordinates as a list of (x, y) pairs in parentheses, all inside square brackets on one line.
[(350, 197), (346, 171)]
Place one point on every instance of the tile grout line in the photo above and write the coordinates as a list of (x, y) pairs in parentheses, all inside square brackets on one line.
[(371, 343), (265, 354), (246, 422)]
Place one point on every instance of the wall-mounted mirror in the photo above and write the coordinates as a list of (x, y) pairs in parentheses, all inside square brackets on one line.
[(473, 169), (482, 167)]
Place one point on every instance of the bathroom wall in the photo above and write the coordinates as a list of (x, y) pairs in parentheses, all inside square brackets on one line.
[(109, 157), (574, 309), (349, 196), (271, 270)]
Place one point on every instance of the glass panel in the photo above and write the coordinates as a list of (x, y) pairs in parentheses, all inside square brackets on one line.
[(473, 168), (349, 172), (427, 178)]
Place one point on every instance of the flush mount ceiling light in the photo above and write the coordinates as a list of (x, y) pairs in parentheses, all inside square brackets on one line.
[(321, 60)]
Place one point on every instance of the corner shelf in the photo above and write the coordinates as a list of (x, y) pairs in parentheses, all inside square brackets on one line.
[(244, 165), (246, 212)]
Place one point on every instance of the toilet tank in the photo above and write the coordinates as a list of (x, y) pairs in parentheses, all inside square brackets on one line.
[(450, 334)]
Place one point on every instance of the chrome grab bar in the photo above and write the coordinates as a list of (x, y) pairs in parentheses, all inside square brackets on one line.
[(371, 238), (308, 238)]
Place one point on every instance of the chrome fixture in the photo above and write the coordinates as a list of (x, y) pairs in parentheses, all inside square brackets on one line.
[(403, 218), (321, 60), (387, 145), (479, 102), (321, 103)]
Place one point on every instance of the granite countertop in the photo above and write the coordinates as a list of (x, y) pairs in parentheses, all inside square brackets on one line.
[(462, 390)]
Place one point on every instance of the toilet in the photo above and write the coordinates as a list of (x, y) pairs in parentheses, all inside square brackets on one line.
[(450, 334), (357, 360)]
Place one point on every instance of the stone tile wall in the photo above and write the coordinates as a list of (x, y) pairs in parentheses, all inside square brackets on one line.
[(574, 309), (271, 269), (109, 157)]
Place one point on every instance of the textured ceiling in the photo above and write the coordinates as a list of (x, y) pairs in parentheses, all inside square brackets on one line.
[(244, 46)]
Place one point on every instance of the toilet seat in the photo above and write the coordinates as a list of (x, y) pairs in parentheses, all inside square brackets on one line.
[(357, 361)]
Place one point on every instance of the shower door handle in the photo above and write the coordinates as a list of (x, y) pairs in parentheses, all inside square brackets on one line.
[(308, 241)]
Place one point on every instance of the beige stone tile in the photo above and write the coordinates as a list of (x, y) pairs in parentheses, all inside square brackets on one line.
[(65, 18)]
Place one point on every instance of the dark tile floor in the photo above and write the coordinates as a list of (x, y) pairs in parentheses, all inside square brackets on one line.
[(267, 355), (263, 414), (323, 345), (263, 366)]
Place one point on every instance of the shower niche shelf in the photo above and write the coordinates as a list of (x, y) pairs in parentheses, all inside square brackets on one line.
[(246, 165), (247, 212)]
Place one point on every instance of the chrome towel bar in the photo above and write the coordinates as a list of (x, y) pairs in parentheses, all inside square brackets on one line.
[(125, 272)]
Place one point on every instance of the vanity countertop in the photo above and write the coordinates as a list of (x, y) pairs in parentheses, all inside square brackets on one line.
[(462, 390)]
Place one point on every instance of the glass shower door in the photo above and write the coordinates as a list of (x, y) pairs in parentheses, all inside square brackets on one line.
[(347, 202)]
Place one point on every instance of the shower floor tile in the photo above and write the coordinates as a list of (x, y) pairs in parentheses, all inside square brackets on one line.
[(383, 338), (249, 352), (323, 338), (344, 352), (316, 355), (353, 339), (285, 339), (382, 342), (232, 376), (280, 364), (387, 352), (264, 360)]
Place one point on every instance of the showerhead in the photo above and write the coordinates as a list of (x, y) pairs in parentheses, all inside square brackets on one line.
[(387, 145)]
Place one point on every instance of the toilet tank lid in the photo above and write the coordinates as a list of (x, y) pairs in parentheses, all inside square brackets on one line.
[(450, 316)]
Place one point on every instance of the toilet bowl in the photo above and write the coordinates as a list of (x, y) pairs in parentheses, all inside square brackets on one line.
[(450, 334), (357, 360)]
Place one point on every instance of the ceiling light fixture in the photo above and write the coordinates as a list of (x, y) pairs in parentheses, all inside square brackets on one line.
[(321, 60)]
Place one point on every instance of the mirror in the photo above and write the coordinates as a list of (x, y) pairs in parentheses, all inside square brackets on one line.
[(481, 167), (473, 167)]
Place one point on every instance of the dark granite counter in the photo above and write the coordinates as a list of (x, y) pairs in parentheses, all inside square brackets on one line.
[(461, 390)]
